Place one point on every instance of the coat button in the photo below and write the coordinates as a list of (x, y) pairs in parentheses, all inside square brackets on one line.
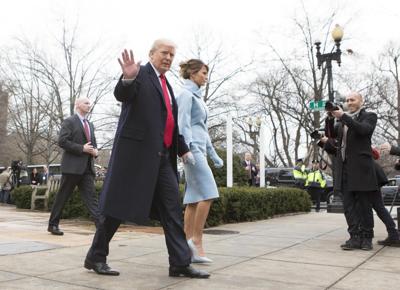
[(159, 154)]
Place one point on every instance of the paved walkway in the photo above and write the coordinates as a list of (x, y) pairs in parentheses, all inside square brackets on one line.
[(290, 252)]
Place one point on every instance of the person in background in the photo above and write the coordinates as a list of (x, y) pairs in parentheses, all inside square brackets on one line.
[(393, 239), (35, 177), (5, 185), (250, 168), (78, 140), (315, 184), (201, 188), (44, 175), (300, 173)]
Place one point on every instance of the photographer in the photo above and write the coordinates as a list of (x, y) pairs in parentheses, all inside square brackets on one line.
[(378, 205), (349, 140), (5, 185), (387, 148), (16, 166)]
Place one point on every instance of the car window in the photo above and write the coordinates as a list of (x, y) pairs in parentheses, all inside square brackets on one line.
[(392, 182), (286, 175)]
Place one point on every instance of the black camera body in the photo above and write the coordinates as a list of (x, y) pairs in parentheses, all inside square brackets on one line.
[(332, 106), (316, 135), (16, 165)]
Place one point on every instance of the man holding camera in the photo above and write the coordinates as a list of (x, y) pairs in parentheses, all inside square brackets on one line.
[(349, 139)]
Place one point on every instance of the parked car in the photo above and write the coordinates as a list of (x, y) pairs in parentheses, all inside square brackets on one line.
[(284, 177), (390, 190)]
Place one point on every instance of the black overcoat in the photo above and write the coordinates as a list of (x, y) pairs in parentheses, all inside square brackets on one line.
[(361, 175), (134, 164)]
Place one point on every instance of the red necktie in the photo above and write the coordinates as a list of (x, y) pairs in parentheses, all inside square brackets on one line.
[(169, 125), (87, 131)]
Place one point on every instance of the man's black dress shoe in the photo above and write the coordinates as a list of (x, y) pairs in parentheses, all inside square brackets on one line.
[(100, 268), (55, 230), (390, 242), (187, 271)]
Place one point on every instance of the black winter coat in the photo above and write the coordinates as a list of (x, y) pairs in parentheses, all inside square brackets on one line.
[(133, 169), (359, 162)]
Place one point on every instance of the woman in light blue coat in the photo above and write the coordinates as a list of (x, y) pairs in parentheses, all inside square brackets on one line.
[(201, 188)]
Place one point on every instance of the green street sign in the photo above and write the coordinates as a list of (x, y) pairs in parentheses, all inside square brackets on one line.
[(317, 105)]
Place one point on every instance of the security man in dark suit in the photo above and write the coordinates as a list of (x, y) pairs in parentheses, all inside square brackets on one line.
[(354, 170), (77, 166), (142, 179)]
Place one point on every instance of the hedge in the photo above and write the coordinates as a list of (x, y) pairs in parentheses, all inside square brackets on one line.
[(240, 204), (236, 204)]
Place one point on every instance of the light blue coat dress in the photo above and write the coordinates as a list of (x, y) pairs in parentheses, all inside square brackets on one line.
[(192, 120)]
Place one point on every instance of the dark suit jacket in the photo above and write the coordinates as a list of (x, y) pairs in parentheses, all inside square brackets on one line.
[(253, 173), (361, 175), (133, 169), (36, 179), (71, 139)]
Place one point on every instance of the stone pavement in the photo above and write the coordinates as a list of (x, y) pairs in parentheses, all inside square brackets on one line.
[(290, 252)]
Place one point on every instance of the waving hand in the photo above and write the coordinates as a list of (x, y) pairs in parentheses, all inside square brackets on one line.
[(130, 69)]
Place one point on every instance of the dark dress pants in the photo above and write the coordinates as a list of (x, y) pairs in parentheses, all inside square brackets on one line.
[(357, 209), (166, 206), (384, 215), (315, 193), (85, 183)]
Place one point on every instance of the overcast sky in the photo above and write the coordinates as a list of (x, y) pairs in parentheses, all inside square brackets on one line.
[(368, 24), (242, 27)]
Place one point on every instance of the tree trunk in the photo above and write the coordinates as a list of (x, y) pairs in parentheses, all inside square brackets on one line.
[(3, 124)]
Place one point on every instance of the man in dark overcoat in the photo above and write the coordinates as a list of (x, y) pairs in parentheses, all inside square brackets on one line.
[(354, 170), (142, 174)]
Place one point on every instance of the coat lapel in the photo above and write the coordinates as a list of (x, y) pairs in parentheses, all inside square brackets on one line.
[(155, 81)]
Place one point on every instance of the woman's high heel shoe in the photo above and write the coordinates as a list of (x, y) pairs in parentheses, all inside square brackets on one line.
[(195, 255)]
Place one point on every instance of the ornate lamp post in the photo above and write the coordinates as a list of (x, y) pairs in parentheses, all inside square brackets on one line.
[(337, 34), (254, 130)]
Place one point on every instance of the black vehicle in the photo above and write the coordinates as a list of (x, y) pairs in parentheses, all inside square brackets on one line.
[(280, 177), (390, 190)]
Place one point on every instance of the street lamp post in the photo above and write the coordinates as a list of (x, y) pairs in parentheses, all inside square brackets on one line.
[(337, 34), (254, 130)]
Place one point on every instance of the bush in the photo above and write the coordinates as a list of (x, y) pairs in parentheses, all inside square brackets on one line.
[(240, 204), (21, 196), (236, 204)]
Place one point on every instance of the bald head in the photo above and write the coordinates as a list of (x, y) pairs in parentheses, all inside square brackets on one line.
[(82, 106), (354, 101), (356, 95)]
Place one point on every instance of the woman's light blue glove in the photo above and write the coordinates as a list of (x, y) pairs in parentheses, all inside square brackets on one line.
[(218, 162)]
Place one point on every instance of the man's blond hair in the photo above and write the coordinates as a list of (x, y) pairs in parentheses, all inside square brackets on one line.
[(161, 41)]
